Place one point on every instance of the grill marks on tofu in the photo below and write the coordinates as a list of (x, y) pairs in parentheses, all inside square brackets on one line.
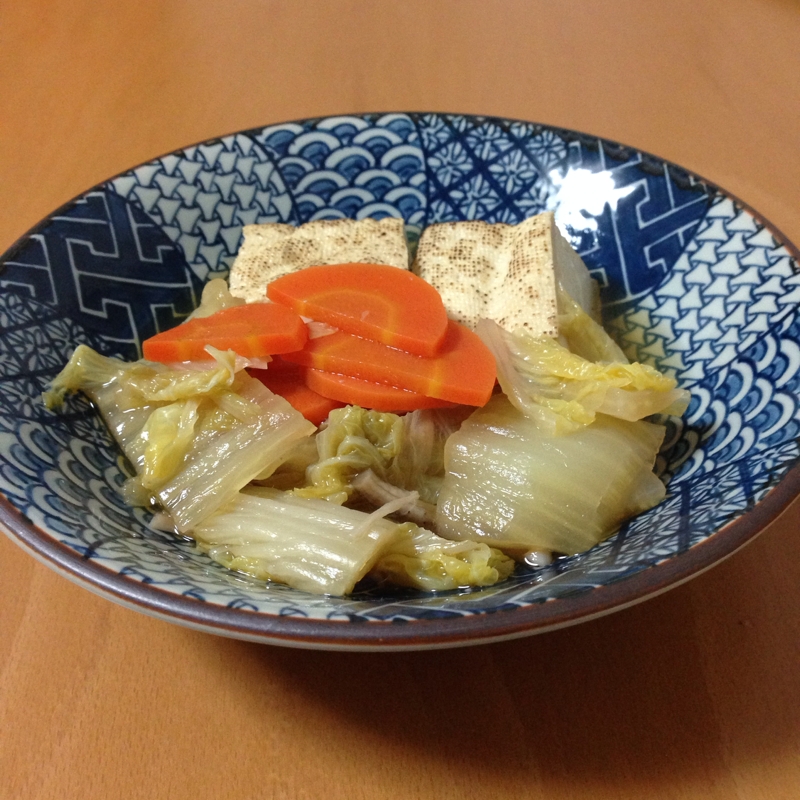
[(270, 251), (506, 273), (511, 274)]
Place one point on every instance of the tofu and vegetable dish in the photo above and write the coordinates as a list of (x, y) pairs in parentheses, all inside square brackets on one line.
[(331, 415)]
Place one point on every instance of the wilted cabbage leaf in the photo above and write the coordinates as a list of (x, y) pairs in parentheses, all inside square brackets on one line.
[(307, 543), (194, 436), (216, 297), (405, 451), (512, 485), (564, 391), (422, 560), (324, 548), (168, 435), (583, 335), (354, 439)]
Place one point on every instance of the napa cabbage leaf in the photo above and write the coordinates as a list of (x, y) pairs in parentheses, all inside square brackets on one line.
[(194, 436), (514, 486), (323, 548), (307, 543), (420, 559), (216, 297), (564, 391), (406, 451)]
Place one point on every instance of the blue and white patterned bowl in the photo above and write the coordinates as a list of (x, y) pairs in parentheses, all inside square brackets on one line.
[(692, 282)]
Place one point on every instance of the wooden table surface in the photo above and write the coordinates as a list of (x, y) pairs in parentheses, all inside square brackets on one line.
[(695, 694)]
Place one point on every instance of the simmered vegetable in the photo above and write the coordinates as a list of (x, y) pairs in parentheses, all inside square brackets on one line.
[(406, 451), (309, 544), (375, 301), (252, 331), (423, 560), (368, 394), (195, 437), (292, 386), (513, 486), (564, 391), (463, 371)]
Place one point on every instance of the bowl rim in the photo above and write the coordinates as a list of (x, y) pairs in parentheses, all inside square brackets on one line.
[(469, 629), (479, 628)]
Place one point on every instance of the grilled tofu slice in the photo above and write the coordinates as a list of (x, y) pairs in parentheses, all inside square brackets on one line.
[(507, 273), (272, 250)]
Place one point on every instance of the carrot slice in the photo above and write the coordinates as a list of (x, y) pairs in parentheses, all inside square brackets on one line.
[(464, 372), (386, 304), (378, 396), (253, 331), (291, 385)]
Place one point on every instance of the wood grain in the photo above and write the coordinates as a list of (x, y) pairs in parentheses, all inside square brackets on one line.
[(694, 694)]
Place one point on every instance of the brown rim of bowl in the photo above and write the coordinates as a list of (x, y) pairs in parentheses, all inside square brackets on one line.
[(470, 629)]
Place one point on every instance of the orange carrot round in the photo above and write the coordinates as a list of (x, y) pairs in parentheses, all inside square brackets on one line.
[(253, 331), (385, 304), (377, 396), (464, 372)]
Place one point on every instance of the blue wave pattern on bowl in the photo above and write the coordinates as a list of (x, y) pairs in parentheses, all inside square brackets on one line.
[(695, 285)]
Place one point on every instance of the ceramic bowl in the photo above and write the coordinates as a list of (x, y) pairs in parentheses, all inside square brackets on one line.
[(692, 280)]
